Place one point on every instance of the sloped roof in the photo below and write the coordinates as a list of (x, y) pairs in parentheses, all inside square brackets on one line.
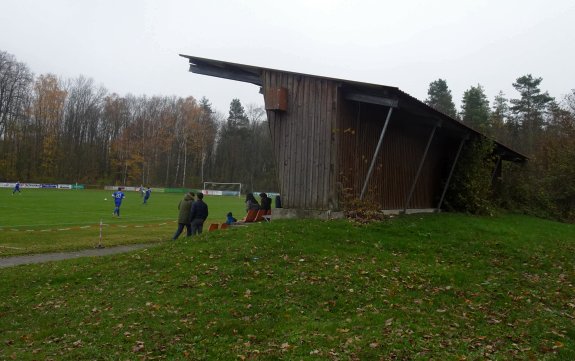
[(367, 92)]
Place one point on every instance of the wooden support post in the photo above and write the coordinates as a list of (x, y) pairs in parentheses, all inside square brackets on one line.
[(375, 154), (437, 125), (451, 171), (497, 164)]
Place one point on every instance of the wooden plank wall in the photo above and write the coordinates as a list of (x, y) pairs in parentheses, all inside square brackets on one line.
[(396, 167), (304, 140), (323, 144)]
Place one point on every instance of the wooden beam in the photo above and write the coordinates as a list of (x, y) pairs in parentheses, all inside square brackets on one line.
[(375, 154), (431, 136), (497, 165), (461, 143), (371, 99)]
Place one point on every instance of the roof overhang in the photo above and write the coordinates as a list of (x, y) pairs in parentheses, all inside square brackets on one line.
[(222, 69)]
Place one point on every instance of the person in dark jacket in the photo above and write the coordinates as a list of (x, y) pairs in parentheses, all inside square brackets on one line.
[(251, 203), (185, 208), (199, 214), (266, 202)]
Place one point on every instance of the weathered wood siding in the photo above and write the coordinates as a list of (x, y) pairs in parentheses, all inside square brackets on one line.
[(304, 140), (399, 157), (323, 146)]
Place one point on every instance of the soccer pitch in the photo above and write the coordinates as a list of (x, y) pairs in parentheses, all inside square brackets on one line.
[(46, 220)]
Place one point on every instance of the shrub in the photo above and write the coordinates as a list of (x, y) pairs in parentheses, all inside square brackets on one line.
[(471, 186)]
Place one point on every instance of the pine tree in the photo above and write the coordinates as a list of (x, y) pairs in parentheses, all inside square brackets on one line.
[(209, 129), (529, 110), (237, 116), (475, 109), (439, 98), (500, 112), (206, 106), (502, 126)]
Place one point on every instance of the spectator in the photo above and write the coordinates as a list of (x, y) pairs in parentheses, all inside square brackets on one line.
[(185, 208), (230, 219), (251, 203), (199, 214), (266, 202)]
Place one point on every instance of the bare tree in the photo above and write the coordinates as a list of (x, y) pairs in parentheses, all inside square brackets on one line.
[(81, 125), (15, 93)]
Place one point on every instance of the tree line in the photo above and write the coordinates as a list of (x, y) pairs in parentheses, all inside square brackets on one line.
[(533, 123), (62, 131)]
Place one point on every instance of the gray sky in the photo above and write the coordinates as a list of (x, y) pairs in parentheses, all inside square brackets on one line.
[(132, 46)]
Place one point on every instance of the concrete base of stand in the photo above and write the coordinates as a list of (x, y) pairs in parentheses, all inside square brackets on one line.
[(287, 213)]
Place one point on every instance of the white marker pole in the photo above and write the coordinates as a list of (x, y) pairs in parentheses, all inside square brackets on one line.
[(100, 244)]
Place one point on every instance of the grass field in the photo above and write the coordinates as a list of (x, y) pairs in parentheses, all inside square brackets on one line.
[(418, 287), (43, 220)]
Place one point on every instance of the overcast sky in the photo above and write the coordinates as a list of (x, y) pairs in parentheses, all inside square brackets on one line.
[(132, 46)]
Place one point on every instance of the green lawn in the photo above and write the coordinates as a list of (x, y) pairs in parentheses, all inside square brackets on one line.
[(43, 220), (419, 287)]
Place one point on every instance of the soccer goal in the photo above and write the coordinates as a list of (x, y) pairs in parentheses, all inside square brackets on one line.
[(223, 189)]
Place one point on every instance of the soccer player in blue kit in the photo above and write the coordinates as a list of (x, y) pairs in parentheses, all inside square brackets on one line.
[(16, 188), (147, 195), (118, 196)]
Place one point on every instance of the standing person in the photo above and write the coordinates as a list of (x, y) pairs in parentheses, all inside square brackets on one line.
[(118, 196), (16, 188), (185, 207), (266, 202), (251, 203), (199, 214), (147, 195)]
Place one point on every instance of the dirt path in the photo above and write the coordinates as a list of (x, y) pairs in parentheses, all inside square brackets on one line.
[(49, 257)]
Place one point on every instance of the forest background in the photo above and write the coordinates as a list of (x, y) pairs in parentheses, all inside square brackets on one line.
[(72, 130)]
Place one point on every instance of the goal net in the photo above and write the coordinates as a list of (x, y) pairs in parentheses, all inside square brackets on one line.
[(222, 189)]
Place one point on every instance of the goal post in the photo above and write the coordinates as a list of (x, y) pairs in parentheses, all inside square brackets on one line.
[(223, 189)]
